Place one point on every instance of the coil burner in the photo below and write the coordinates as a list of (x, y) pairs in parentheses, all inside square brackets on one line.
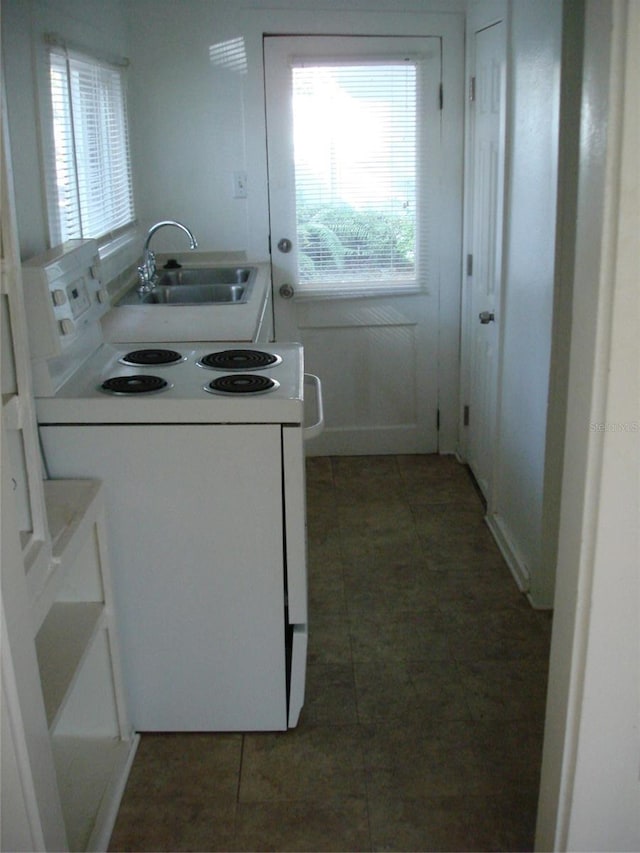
[(137, 384), (241, 383), (152, 357), (239, 359)]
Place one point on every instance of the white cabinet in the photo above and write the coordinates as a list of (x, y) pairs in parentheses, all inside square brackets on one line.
[(68, 724), (79, 667)]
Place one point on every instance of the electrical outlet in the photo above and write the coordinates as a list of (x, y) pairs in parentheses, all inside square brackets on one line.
[(239, 184)]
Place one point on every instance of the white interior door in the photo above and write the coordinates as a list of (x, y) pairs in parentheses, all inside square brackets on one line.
[(485, 263), (353, 132)]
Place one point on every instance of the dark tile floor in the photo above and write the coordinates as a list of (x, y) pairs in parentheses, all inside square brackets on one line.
[(422, 727)]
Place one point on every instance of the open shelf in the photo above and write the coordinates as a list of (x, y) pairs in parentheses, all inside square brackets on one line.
[(61, 645), (92, 745), (72, 507), (69, 504), (92, 773)]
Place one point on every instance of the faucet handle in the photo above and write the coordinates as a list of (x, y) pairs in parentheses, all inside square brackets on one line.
[(144, 282), (147, 272)]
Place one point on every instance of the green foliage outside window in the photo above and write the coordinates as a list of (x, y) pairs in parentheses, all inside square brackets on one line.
[(337, 241)]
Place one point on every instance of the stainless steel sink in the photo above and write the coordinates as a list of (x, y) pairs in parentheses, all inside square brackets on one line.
[(194, 294), (206, 275), (197, 286)]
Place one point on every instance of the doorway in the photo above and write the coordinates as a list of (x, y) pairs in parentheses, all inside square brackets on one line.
[(354, 158)]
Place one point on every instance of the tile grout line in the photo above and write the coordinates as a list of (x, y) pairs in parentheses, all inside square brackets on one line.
[(244, 736)]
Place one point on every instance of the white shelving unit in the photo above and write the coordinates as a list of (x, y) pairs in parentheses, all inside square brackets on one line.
[(79, 668), (66, 740)]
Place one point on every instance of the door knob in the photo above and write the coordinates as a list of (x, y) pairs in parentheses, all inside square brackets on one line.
[(285, 245), (286, 291), (486, 317)]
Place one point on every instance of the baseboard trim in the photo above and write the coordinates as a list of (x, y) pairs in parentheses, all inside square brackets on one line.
[(509, 551)]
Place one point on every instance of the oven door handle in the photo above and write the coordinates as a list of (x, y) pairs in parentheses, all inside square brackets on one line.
[(313, 405)]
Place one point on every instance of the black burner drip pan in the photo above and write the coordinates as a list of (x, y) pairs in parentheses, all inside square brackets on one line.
[(241, 383), (137, 384), (152, 357), (239, 359)]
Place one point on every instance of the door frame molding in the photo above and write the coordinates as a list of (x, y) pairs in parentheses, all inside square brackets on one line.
[(589, 779)]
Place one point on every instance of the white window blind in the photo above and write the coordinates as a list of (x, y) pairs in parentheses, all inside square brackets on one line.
[(356, 137), (89, 173)]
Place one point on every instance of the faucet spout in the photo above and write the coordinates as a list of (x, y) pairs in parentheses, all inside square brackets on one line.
[(147, 271)]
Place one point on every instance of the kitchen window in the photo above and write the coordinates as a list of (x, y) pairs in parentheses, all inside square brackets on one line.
[(87, 169)]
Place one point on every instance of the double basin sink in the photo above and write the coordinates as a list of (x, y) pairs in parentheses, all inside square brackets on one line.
[(197, 286)]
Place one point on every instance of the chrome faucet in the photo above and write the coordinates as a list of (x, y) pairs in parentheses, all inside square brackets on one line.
[(147, 275)]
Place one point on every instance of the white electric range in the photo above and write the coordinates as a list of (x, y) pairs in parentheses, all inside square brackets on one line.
[(182, 383), (200, 449)]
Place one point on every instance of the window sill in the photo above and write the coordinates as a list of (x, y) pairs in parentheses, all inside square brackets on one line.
[(118, 244), (119, 254)]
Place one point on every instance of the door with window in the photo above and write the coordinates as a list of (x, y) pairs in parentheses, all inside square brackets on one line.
[(353, 131)]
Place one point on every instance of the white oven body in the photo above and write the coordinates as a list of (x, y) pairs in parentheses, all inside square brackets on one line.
[(208, 563)]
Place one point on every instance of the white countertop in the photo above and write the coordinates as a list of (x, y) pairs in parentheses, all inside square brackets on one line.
[(219, 322)]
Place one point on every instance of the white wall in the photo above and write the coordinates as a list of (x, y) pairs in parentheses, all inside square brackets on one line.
[(187, 121), (516, 505), (590, 786)]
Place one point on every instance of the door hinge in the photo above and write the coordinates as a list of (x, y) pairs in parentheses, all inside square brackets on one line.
[(472, 89), (465, 416), (469, 264), (441, 96)]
